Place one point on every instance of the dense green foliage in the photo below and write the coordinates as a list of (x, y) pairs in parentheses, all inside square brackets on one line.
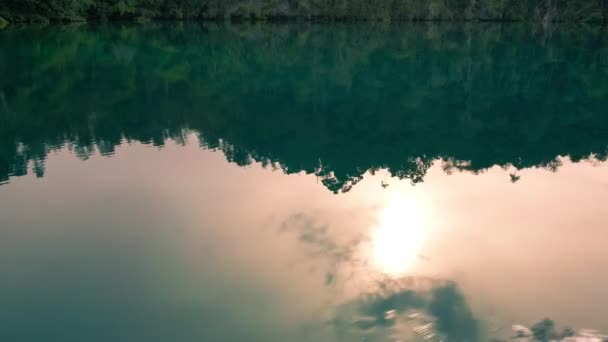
[(535, 10), (331, 100)]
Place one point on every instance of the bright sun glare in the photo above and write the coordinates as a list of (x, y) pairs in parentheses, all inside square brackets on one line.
[(399, 235)]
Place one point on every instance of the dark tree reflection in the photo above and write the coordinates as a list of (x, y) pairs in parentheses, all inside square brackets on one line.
[(335, 101)]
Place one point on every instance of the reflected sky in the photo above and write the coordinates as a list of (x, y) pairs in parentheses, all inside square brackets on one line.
[(182, 228), (425, 182), (399, 234)]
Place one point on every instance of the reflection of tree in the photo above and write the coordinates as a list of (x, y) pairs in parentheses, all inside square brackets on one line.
[(435, 311), (545, 331), (454, 318), (381, 97)]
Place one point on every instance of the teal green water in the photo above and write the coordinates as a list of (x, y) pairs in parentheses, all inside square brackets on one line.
[(302, 182)]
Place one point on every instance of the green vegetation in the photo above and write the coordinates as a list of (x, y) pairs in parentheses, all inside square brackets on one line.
[(334, 100), (3, 23), (396, 10)]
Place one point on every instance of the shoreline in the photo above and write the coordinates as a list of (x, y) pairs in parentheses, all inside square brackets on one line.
[(21, 20), (356, 11)]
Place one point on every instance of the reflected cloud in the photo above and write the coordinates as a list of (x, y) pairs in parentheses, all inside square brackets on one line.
[(386, 307), (389, 307), (338, 258), (545, 330), (410, 309)]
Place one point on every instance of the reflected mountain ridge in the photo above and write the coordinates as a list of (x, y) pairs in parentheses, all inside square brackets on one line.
[(335, 101)]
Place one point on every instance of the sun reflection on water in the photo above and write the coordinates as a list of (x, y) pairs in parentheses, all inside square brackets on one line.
[(399, 235)]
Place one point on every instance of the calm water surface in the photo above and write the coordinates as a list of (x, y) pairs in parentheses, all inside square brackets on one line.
[(303, 182)]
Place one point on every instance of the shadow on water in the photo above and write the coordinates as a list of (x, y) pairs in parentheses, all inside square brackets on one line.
[(335, 101)]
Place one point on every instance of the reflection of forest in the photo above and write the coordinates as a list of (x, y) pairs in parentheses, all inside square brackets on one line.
[(332, 100)]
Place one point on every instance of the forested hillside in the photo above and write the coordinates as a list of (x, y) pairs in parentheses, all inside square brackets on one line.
[(386, 10)]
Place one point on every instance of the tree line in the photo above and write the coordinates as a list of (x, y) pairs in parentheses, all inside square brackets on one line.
[(377, 10), (334, 101)]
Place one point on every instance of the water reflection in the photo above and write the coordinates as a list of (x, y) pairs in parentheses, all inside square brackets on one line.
[(386, 305), (393, 97), (195, 252), (196, 247), (399, 234), (411, 309)]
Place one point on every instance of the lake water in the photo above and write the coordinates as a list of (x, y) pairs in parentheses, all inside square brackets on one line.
[(185, 182)]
